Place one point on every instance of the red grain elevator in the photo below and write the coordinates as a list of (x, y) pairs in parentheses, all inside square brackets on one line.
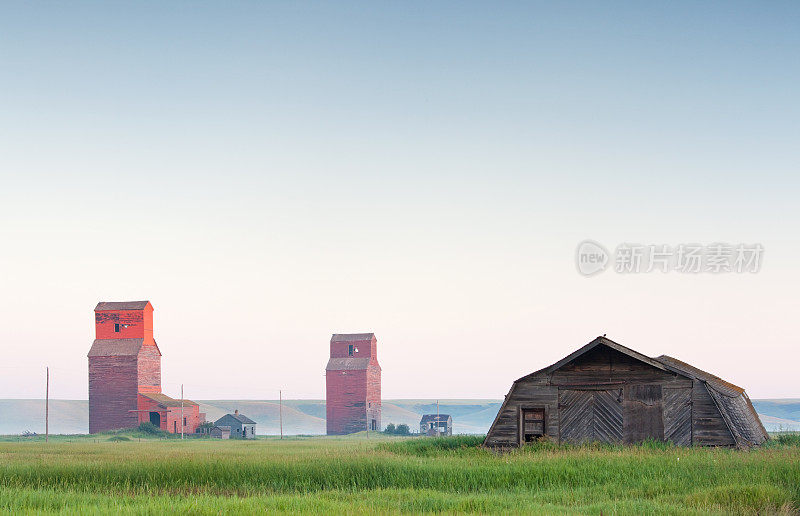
[(353, 384), (125, 374)]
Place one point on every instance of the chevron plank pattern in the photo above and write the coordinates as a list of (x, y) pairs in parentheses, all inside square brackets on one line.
[(575, 412), (590, 416), (607, 416), (677, 405)]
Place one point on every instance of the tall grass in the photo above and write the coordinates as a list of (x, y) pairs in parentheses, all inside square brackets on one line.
[(427, 446), (784, 439), (387, 475)]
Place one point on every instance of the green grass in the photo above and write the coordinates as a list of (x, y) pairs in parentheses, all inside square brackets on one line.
[(376, 474), (433, 446)]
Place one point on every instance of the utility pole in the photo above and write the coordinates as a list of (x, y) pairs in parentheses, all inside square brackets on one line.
[(47, 407), (181, 411), (280, 410), (437, 418)]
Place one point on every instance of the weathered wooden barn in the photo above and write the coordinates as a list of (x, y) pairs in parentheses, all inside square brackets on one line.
[(125, 374), (353, 384), (436, 424), (609, 393)]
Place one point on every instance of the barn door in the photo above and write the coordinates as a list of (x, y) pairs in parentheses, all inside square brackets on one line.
[(586, 416), (678, 415), (607, 424), (574, 416), (643, 413)]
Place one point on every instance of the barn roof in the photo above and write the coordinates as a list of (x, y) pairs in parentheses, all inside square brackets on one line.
[(435, 418), (103, 306), (115, 347), (351, 337), (693, 372), (590, 346), (347, 364), (238, 417), (166, 401)]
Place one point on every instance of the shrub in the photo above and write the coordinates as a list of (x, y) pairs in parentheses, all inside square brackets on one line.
[(401, 429), (149, 428), (205, 428)]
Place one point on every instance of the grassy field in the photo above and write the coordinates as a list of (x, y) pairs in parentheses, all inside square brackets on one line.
[(378, 474)]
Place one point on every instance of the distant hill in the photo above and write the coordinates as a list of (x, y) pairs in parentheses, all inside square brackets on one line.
[(780, 414), (66, 416), (308, 416)]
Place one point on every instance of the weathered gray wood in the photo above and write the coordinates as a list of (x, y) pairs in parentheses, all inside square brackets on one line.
[(708, 426), (739, 416), (677, 405), (590, 415), (506, 430), (575, 414), (606, 367), (642, 413), (608, 416), (612, 396)]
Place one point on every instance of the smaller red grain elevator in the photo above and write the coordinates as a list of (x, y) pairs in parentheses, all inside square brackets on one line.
[(353, 384)]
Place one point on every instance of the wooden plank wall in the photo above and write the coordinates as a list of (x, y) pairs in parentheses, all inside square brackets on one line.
[(605, 366), (590, 415), (591, 405), (708, 426), (534, 393), (643, 414), (575, 415), (677, 405)]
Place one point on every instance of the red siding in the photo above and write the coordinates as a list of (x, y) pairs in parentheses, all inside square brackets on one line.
[(190, 413), (140, 324), (345, 402), (170, 417), (146, 405), (366, 348), (149, 369), (353, 396), (374, 395), (112, 393)]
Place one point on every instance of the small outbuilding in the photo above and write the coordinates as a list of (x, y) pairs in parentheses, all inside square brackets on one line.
[(436, 424), (241, 426), (220, 432), (609, 393)]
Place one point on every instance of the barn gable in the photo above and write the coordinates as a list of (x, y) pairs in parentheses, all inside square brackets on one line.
[(607, 392), (603, 342)]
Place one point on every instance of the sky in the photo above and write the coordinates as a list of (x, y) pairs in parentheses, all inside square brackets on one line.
[(270, 173)]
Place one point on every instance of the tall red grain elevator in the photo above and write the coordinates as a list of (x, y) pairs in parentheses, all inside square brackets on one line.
[(125, 374), (353, 384)]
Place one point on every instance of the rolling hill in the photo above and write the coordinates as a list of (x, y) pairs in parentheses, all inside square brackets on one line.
[(308, 416)]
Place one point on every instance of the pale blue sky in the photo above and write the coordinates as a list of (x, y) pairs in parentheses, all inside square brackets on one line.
[(270, 173)]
